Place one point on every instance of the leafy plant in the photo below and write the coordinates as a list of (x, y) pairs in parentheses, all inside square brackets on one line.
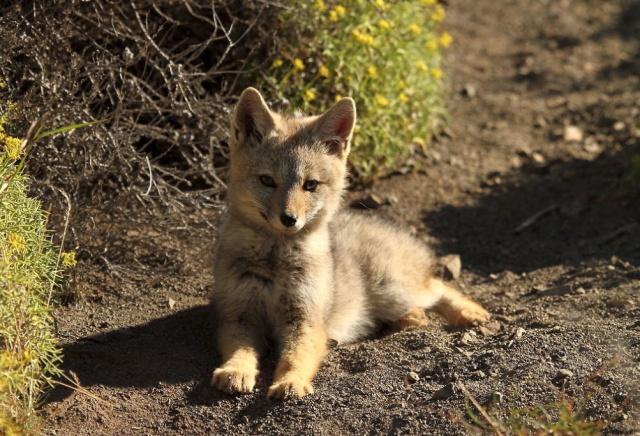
[(387, 55), (29, 267)]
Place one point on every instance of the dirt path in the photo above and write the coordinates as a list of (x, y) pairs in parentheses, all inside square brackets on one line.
[(565, 290)]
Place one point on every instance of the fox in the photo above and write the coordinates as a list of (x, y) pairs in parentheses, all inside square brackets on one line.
[(294, 269)]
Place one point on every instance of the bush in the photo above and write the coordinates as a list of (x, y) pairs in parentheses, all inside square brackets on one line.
[(384, 54), (28, 352), (160, 76), (632, 175)]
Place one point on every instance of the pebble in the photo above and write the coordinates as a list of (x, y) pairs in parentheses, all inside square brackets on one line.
[(497, 397), (591, 146), (564, 373), (469, 90), (618, 126), (538, 157), (445, 392), (452, 266), (581, 291), (171, 303), (573, 134), (519, 333), (413, 377)]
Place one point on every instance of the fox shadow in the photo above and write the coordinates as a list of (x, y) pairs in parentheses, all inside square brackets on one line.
[(565, 212), (178, 348), (173, 349)]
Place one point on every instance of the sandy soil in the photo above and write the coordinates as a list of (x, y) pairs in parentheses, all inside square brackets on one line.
[(564, 290)]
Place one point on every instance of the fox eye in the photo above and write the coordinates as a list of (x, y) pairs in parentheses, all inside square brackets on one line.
[(267, 181), (310, 185)]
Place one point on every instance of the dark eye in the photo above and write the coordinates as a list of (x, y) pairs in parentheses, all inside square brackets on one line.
[(310, 185), (267, 181)]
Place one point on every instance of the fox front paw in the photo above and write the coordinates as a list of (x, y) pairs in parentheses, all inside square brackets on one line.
[(289, 388), (234, 380), (471, 314)]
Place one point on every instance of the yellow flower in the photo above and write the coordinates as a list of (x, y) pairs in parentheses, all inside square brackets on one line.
[(384, 24), (429, 2), (338, 97), (380, 4), (436, 73), (372, 71), (69, 259), (403, 97), (362, 37), (12, 146), (319, 5), (445, 40), (381, 100), (415, 29), (323, 71), (277, 63), (309, 95), (17, 242), (336, 13), (422, 66), (298, 64), (438, 14), (431, 45)]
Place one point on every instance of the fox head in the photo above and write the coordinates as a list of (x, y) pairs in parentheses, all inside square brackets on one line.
[(287, 174)]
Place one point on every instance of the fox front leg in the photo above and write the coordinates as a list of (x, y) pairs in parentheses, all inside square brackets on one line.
[(240, 348), (303, 348)]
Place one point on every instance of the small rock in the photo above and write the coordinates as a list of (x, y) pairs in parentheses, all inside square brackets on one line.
[(469, 90), (412, 377), (519, 333), (591, 146), (538, 157), (445, 392), (540, 122), (572, 134), (467, 338), (538, 288), (452, 266), (618, 126), (490, 328), (392, 199), (581, 291), (564, 373), (371, 201), (493, 276), (479, 374), (171, 303), (497, 397)]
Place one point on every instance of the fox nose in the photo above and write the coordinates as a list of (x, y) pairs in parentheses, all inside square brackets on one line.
[(288, 220)]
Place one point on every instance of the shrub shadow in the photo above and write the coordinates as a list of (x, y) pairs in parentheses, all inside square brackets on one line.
[(577, 210)]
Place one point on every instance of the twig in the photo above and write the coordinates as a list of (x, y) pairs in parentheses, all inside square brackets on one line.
[(150, 177), (613, 235), (64, 235), (535, 217), (496, 428)]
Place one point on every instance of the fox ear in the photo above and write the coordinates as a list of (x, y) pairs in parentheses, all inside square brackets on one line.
[(252, 118), (335, 126)]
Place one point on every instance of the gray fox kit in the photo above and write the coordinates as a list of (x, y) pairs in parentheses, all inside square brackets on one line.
[(292, 267)]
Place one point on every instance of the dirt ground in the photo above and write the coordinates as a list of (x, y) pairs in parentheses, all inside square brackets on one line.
[(564, 288)]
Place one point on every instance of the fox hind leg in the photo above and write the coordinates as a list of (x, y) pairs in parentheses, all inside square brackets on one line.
[(456, 308)]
